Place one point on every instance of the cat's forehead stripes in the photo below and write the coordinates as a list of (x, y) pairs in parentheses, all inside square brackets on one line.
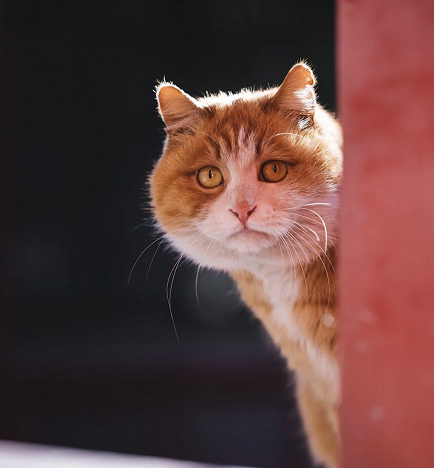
[(238, 144), (243, 126), (246, 150)]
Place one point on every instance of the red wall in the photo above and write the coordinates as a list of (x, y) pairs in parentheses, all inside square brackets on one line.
[(386, 105)]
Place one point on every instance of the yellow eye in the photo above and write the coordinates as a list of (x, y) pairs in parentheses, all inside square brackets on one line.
[(209, 177), (274, 171)]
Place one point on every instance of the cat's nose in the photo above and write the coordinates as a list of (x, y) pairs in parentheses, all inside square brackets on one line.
[(242, 211)]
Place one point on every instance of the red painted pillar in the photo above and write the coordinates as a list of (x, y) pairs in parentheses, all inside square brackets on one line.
[(386, 105)]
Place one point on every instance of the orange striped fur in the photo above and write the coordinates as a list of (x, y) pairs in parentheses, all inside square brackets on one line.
[(276, 238)]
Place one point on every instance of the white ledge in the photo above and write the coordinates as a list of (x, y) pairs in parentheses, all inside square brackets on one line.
[(24, 455)]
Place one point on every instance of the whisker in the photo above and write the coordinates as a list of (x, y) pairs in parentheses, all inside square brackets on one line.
[(317, 243), (324, 224), (278, 235), (152, 259), (152, 243), (306, 217), (301, 266), (311, 230), (140, 225), (171, 279), (328, 278), (311, 204), (313, 240), (175, 268), (301, 247), (308, 204), (198, 270), (197, 279), (139, 257), (168, 300)]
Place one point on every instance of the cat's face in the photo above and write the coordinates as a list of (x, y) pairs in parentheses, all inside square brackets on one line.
[(244, 178)]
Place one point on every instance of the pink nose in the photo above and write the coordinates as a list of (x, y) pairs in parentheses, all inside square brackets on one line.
[(242, 212)]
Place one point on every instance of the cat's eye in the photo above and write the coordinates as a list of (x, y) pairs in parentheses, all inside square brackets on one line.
[(274, 171), (209, 177)]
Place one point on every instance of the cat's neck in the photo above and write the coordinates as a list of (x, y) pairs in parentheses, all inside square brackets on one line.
[(304, 282)]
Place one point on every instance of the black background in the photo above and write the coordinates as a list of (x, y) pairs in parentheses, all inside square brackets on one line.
[(88, 360)]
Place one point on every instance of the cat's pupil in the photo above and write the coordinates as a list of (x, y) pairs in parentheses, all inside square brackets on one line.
[(274, 168), (210, 174)]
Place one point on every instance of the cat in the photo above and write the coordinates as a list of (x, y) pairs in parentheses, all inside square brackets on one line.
[(249, 184)]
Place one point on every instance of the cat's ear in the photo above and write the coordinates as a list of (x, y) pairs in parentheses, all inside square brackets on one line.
[(297, 94), (176, 108)]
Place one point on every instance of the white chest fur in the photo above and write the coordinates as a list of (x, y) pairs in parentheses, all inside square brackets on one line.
[(282, 287)]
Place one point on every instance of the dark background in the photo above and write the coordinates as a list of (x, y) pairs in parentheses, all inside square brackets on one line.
[(86, 359)]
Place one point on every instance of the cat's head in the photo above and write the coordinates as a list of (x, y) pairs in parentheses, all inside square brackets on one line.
[(248, 177)]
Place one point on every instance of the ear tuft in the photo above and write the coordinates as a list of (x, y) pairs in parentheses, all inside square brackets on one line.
[(176, 108), (296, 93)]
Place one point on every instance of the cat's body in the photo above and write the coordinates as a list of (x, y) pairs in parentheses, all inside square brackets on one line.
[(249, 184)]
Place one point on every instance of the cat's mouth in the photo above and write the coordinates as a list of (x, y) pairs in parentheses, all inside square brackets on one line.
[(247, 241), (247, 232)]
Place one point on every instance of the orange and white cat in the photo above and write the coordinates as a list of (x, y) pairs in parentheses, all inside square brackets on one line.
[(249, 183)]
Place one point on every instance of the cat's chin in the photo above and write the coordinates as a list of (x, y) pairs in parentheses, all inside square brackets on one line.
[(248, 241)]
